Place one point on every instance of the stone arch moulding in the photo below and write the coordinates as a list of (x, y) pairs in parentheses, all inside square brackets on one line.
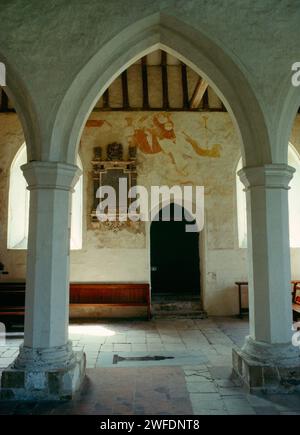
[(19, 94), (287, 111), (206, 57)]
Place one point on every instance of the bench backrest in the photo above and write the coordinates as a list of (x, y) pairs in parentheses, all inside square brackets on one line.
[(13, 294)]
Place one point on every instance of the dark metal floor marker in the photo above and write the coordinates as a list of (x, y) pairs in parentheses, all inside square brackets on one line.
[(118, 358)]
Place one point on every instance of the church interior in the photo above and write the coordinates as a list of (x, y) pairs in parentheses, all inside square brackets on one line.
[(120, 316)]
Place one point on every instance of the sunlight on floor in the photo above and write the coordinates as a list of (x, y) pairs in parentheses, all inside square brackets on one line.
[(92, 330)]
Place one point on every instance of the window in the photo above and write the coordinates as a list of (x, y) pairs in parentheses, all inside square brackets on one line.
[(294, 203), (18, 206), (77, 210), (18, 203), (294, 199), (241, 208)]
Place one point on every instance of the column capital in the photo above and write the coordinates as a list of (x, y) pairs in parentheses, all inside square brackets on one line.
[(273, 176), (50, 175)]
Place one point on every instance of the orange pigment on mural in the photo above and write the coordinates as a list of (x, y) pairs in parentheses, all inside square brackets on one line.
[(214, 151), (97, 123), (147, 139)]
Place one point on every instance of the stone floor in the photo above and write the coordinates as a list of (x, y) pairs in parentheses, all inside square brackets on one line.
[(191, 373)]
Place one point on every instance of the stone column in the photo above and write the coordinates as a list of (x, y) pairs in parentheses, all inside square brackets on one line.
[(47, 367), (268, 361)]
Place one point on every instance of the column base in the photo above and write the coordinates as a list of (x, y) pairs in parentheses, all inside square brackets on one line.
[(267, 368), (33, 377)]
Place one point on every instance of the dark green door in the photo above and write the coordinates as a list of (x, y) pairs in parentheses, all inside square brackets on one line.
[(174, 258)]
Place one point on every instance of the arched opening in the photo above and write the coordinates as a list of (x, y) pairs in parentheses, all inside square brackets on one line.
[(248, 134), (91, 86), (174, 257), (158, 104), (294, 205), (178, 138), (153, 135), (18, 203), (205, 57), (18, 206)]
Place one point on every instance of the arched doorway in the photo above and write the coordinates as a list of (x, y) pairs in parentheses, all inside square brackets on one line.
[(174, 256)]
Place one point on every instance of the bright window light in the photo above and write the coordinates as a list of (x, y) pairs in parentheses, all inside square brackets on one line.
[(294, 203), (18, 206)]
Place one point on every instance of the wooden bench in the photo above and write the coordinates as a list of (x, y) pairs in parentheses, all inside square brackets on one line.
[(295, 301), (87, 300), (12, 300), (112, 300)]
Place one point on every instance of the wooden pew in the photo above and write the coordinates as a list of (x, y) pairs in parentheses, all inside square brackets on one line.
[(87, 300), (112, 300), (295, 298), (12, 300)]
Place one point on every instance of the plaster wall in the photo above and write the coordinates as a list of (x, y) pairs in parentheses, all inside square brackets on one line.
[(173, 148)]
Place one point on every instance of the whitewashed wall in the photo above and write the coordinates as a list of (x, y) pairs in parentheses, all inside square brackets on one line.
[(207, 158)]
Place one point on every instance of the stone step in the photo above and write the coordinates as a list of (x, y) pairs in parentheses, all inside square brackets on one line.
[(178, 309), (176, 315), (168, 298), (177, 306)]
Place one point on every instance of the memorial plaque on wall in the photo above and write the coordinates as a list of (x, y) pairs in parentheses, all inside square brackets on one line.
[(108, 172), (111, 177)]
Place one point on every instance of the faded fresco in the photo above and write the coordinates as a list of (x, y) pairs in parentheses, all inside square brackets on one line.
[(173, 148), (165, 133)]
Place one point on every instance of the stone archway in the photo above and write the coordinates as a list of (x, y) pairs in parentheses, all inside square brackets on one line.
[(18, 93), (226, 75), (205, 57)]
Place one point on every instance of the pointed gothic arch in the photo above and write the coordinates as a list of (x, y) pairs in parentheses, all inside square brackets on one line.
[(209, 60)]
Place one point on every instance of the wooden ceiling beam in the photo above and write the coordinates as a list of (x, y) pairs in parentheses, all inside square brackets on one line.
[(165, 86), (125, 90), (185, 88), (198, 93), (145, 83)]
